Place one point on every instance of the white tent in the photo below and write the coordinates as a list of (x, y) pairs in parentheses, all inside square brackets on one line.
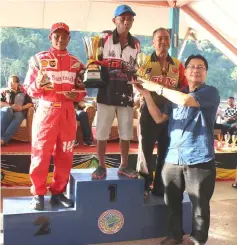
[(215, 20)]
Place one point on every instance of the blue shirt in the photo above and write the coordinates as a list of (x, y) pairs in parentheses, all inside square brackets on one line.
[(191, 129)]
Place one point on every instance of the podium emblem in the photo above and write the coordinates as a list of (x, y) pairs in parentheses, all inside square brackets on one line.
[(111, 221)]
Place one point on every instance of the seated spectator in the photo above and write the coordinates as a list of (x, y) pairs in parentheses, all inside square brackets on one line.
[(233, 129), (223, 127), (230, 115), (14, 106), (82, 117)]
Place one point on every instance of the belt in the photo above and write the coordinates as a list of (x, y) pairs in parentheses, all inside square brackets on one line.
[(49, 103)]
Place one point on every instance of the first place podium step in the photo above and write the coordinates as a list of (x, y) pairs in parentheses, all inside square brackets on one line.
[(108, 210)]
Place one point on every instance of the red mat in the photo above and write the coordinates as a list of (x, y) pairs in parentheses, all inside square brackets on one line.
[(22, 147)]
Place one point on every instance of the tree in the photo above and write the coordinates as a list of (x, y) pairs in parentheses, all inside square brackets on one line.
[(234, 74), (19, 44)]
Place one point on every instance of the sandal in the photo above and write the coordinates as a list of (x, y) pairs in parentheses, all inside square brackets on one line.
[(128, 172), (99, 173), (234, 185)]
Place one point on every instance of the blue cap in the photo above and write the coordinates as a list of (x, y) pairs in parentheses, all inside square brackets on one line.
[(123, 9)]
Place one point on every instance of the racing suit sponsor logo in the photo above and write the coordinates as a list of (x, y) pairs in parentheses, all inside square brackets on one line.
[(148, 70), (52, 63), (175, 70), (76, 65), (44, 63), (49, 63), (165, 81), (111, 53), (62, 77), (68, 146)]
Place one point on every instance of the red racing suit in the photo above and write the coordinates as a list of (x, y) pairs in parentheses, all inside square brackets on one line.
[(54, 124)]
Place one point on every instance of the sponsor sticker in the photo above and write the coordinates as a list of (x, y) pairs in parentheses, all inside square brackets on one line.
[(52, 63), (148, 70), (165, 81), (111, 221), (49, 63), (44, 63), (76, 65), (175, 70)]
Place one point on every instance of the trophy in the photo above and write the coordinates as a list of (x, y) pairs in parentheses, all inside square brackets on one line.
[(141, 62), (92, 78), (141, 71)]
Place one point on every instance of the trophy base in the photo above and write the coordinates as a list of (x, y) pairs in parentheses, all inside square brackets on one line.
[(94, 83), (92, 79)]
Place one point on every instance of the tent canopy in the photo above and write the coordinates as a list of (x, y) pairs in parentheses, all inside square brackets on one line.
[(215, 20)]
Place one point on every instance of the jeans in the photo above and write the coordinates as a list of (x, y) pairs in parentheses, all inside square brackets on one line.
[(223, 127), (10, 123), (82, 117), (199, 182)]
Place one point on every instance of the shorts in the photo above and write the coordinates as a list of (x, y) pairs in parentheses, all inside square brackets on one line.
[(105, 118)]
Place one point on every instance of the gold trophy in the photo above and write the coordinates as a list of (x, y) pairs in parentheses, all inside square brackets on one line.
[(141, 62), (92, 78), (141, 71)]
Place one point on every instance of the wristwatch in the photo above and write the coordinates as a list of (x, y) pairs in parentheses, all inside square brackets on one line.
[(159, 90)]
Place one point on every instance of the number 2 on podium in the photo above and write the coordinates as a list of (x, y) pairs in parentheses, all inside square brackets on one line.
[(44, 226)]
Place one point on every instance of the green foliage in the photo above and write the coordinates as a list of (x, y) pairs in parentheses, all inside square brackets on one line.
[(221, 70), (19, 44), (234, 74)]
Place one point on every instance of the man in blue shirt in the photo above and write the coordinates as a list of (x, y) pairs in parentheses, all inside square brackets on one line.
[(189, 162)]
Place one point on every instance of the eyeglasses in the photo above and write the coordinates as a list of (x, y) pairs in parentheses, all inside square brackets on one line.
[(199, 68)]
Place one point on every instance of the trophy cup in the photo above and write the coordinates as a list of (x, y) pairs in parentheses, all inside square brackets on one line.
[(141, 62), (92, 78), (141, 71)]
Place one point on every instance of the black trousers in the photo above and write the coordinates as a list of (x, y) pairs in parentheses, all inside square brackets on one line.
[(83, 118), (223, 127), (199, 181), (151, 133)]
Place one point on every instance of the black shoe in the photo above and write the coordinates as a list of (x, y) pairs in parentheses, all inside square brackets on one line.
[(76, 144), (61, 199), (89, 143), (170, 241), (37, 203), (159, 193)]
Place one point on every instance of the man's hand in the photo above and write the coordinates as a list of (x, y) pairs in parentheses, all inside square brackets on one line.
[(16, 107), (3, 104), (149, 85), (42, 80), (80, 85), (233, 118), (70, 95), (141, 90)]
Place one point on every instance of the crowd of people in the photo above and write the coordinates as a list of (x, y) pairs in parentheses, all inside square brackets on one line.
[(178, 111)]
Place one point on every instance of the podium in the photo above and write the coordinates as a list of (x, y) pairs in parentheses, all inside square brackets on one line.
[(108, 210)]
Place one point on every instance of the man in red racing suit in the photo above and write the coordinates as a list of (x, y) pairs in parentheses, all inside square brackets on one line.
[(51, 77)]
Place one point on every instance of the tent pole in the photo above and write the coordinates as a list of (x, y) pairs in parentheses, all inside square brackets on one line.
[(174, 26)]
